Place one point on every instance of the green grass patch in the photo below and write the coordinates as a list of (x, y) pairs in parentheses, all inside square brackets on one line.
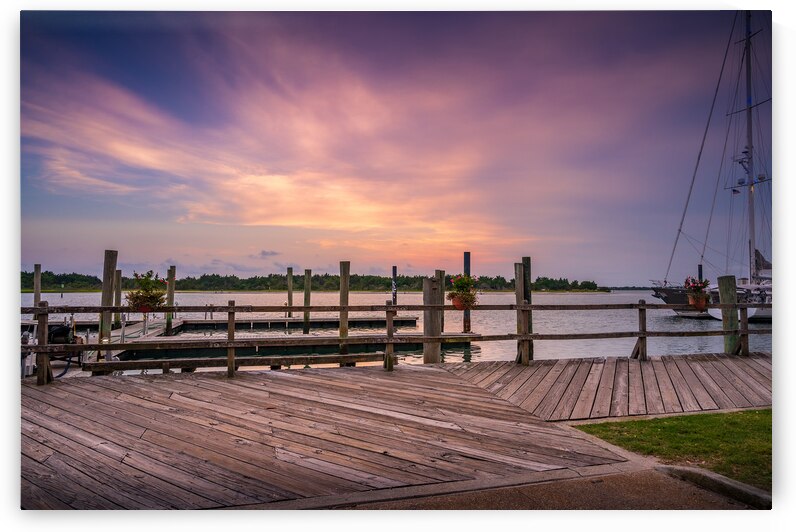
[(736, 445)]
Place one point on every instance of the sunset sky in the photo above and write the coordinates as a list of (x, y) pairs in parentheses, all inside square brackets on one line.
[(243, 143)]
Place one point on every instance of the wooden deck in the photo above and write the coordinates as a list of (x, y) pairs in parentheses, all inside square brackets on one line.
[(318, 438), (590, 388)]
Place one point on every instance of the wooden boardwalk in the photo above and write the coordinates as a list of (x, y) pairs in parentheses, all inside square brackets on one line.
[(319, 438), (590, 388)]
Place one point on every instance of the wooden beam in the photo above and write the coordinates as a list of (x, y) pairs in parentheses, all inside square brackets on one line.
[(345, 272), (729, 316), (44, 373), (389, 349), (117, 297), (522, 320), (290, 291), (307, 293), (431, 323), (466, 326), (108, 272), (171, 280), (231, 337)]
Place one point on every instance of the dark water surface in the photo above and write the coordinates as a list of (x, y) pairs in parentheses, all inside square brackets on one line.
[(484, 322)]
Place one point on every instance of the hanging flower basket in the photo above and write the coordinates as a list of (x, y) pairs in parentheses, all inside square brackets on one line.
[(697, 297), (151, 292), (698, 300), (463, 294)]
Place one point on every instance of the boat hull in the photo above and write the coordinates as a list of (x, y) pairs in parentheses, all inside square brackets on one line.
[(672, 295)]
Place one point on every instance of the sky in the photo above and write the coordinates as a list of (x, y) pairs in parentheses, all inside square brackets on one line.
[(245, 143)]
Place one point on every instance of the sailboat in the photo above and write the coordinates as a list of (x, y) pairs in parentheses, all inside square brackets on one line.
[(757, 286)]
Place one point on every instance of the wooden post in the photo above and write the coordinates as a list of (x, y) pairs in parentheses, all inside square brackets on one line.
[(642, 329), (171, 280), (36, 284), (395, 285), (231, 337), (345, 271), (745, 332), (108, 272), (441, 298), (526, 296), (117, 298), (290, 291), (389, 349), (522, 320), (466, 314), (307, 289), (44, 373), (431, 324), (729, 317)]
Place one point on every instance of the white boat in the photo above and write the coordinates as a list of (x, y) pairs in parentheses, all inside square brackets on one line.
[(755, 283)]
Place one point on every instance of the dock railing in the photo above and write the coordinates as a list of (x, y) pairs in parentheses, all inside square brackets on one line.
[(736, 333)]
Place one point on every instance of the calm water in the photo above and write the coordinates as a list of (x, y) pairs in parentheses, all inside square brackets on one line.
[(484, 322)]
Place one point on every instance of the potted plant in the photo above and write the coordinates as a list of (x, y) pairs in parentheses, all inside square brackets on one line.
[(151, 292), (463, 294), (697, 297)]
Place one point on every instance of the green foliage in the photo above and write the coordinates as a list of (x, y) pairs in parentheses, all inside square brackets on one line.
[(463, 288), (151, 291), (323, 282), (736, 444)]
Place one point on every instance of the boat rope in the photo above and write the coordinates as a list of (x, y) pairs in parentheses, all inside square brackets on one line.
[(701, 147)]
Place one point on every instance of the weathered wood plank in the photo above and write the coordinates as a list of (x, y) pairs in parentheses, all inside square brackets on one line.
[(698, 390), (563, 409), (668, 395), (543, 387), (585, 400), (555, 394), (748, 392), (636, 401), (602, 401), (715, 391), (619, 399), (724, 385), (685, 396)]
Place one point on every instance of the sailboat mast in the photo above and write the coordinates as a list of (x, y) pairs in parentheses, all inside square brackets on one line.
[(750, 153)]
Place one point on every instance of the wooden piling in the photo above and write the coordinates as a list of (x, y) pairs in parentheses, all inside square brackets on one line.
[(395, 285), (44, 373), (171, 280), (117, 298), (290, 291), (466, 314), (36, 284), (307, 290), (440, 274), (431, 323), (729, 317), (108, 272), (527, 295), (523, 352), (389, 349), (345, 276), (744, 332), (231, 338), (640, 349)]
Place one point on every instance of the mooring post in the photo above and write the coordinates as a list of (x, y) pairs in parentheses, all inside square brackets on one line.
[(728, 295), (36, 284), (307, 289), (108, 272), (44, 373), (290, 291), (527, 295), (440, 274), (523, 352), (345, 273), (431, 323), (395, 285), (745, 331), (389, 349), (466, 313), (171, 280), (642, 329), (231, 338), (117, 298)]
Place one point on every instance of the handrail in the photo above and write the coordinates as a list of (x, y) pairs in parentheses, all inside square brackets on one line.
[(43, 350)]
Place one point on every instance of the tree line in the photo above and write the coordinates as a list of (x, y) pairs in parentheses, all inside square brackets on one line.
[(214, 282)]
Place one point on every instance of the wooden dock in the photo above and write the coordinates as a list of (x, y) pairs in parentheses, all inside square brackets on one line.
[(321, 438), (590, 388)]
